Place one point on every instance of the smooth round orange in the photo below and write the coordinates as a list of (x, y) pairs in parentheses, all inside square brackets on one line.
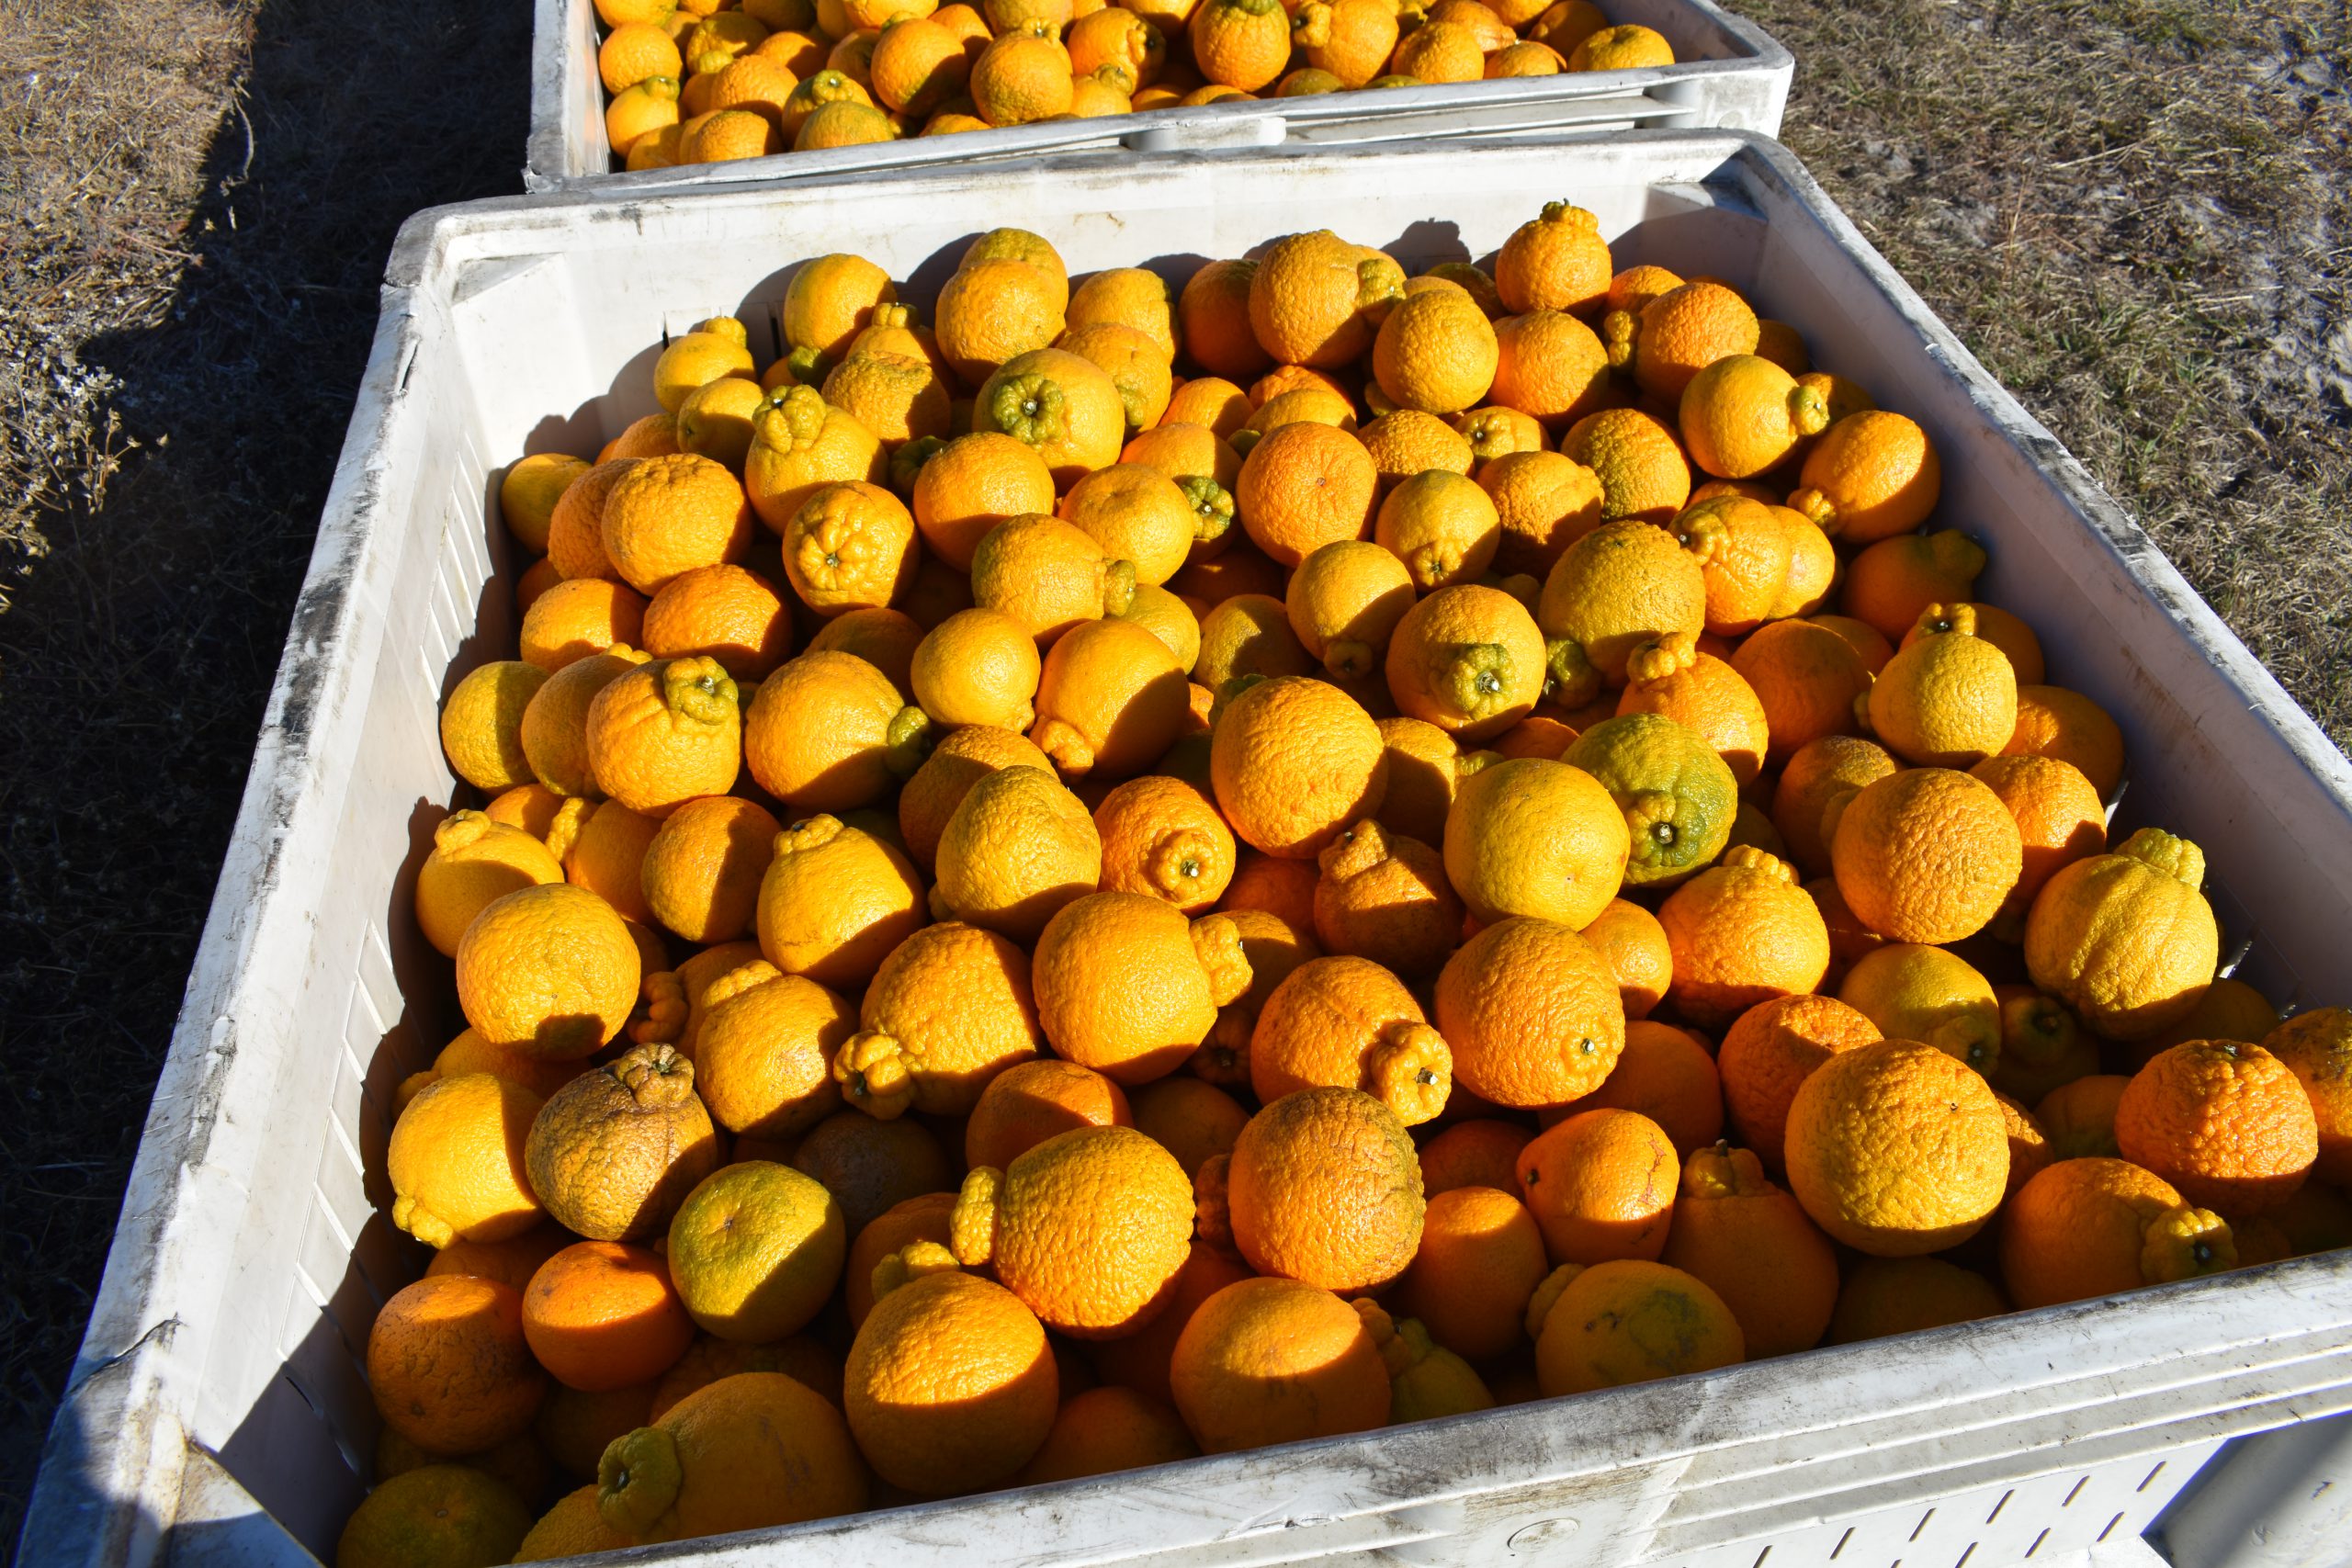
[(1303, 485), (1905, 1295), (2227, 1124), (669, 515), (755, 1251), (437, 1514), (950, 1385), (1897, 1149), (720, 612), (1896, 583), (550, 969), (1384, 897), (1669, 1076), (1630, 1321), (2317, 1048), (2055, 722), (1926, 855), (1265, 1361), (1752, 1245), (1526, 980), (2092, 1227), (580, 616), (1769, 1051), (1600, 1184), (1549, 366), (1632, 944), (763, 1051), (1742, 933), (1702, 694), (978, 667), (528, 494), (1537, 837), (1169, 618), (1347, 1023), (918, 65), (603, 1314), (607, 858), (1873, 475), (1162, 837), (1110, 700), (950, 1008), (1481, 1257), (448, 1365), (1130, 296), (1293, 762), (972, 484), (1806, 677), (1088, 1228), (1323, 1187), (1214, 313), (1241, 44), (1213, 402)]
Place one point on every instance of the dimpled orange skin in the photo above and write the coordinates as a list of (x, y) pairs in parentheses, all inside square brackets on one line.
[(662, 734), (1303, 485), (668, 515), (1556, 261), (1667, 1074), (701, 873), (835, 901), (1088, 1228), (1065, 405), (1742, 933), (1335, 1021), (551, 970), (1293, 762), (1032, 1102), (1926, 855), (1905, 1295), (2317, 1048), (1533, 837), (2126, 939), (849, 545), (1870, 475), (950, 1384), (1630, 1321), (448, 1367), (1684, 330), (1120, 987), (972, 484), (1312, 297), (1752, 1245), (1481, 1257), (2227, 1124), (725, 613), (1266, 1361), (1384, 897), (1769, 1052), (2055, 722), (578, 618), (1468, 658), (1324, 1187), (1110, 700), (938, 787), (960, 1003), (1821, 769), (1806, 677), (1702, 694), (1018, 847), (1162, 837), (819, 734), (1621, 585), (1897, 1149), (1601, 1185), (2059, 819), (2091, 1227), (1630, 941), (1530, 1013), (1549, 366)]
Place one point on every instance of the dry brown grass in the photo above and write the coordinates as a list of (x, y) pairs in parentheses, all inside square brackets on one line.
[(196, 200), (2138, 214)]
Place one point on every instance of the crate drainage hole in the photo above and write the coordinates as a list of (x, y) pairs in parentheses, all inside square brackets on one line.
[(2037, 1543), (1917, 1531), (1999, 1506), (1840, 1550), (1966, 1556), (2074, 1491), (2110, 1527), (1760, 1557), (2152, 1476)]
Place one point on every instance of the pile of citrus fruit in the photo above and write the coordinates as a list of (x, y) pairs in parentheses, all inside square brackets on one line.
[(705, 81), (1147, 868)]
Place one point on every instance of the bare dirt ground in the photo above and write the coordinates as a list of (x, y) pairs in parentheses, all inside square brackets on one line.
[(2135, 212)]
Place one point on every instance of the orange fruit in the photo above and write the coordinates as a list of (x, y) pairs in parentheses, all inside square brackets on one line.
[(2079, 1116), (1816, 773), (1248, 634), (1163, 838), (870, 1166), (1996, 626), (1742, 933), (475, 861), (1266, 1361), (603, 1314), (1743, 550), (1480, 1260), (996, 309), (1351, 38), (1742, 415), (2092, 1227), (1543, 503), (1702, 694), (436, 1514), (1628, 1321), (1771, 1050), (1424, 766), (1522, 979), (1495, 431), (1130, 296), (1435, 352), (2228, 1123), (1171, 620), (1344, 601), (1016, 850), (1087, 1228), (1048, 575), (448, 1365), (570, 1527), (1127, 986), (1752, 1244), (1443, 528), (1549, 366), (1213, 403), (1384, 897), (1666, 1074), (1213, 312), (829, 732), (1277, 885), (1467, 658), (511, 1262), (1873, 475), (1893, 583), (1632, 944), (919, 1218), (1621, 585), (1556, 261), (950, 1385), (1103, 1430), (1439, 52), (1110, 700), (668, 515), (763, 1052), (1134, 363), (1322, 1187), (1347, 1023), (660, 733), (1929, 995), (748, 1451), (756, 1250), (899, 397), (1896, 1149), (577, 617), (607, 859), (2043, 1045), (1806, 677), (950, 1008), (1926, 855), (835, 901), (1481, 1152), (1314, 299), (2126, 939), (613, 1152), (528, 494), (802, 443), (1405, 441), (1643, 472), (977, 667), (2055, 722), (1194, 1121), (1600, 1184), (1903, 1295), (1032, 1102), (720, 612), (849, 545), (550, 969), (832, 299), (1293, 762), (1061, 403), (2317, 1048), (2059, 819), (1531, 837), (918, 65), (1304, 485), (1680, 332)]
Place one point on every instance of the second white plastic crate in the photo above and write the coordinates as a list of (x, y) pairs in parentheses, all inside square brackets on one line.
[(218, 1412)]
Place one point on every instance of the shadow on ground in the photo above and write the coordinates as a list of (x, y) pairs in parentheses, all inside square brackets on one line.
[(136, 658)]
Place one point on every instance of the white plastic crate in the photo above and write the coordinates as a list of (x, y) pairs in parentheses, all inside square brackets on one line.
[(1729, 75), (217, 1413)]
